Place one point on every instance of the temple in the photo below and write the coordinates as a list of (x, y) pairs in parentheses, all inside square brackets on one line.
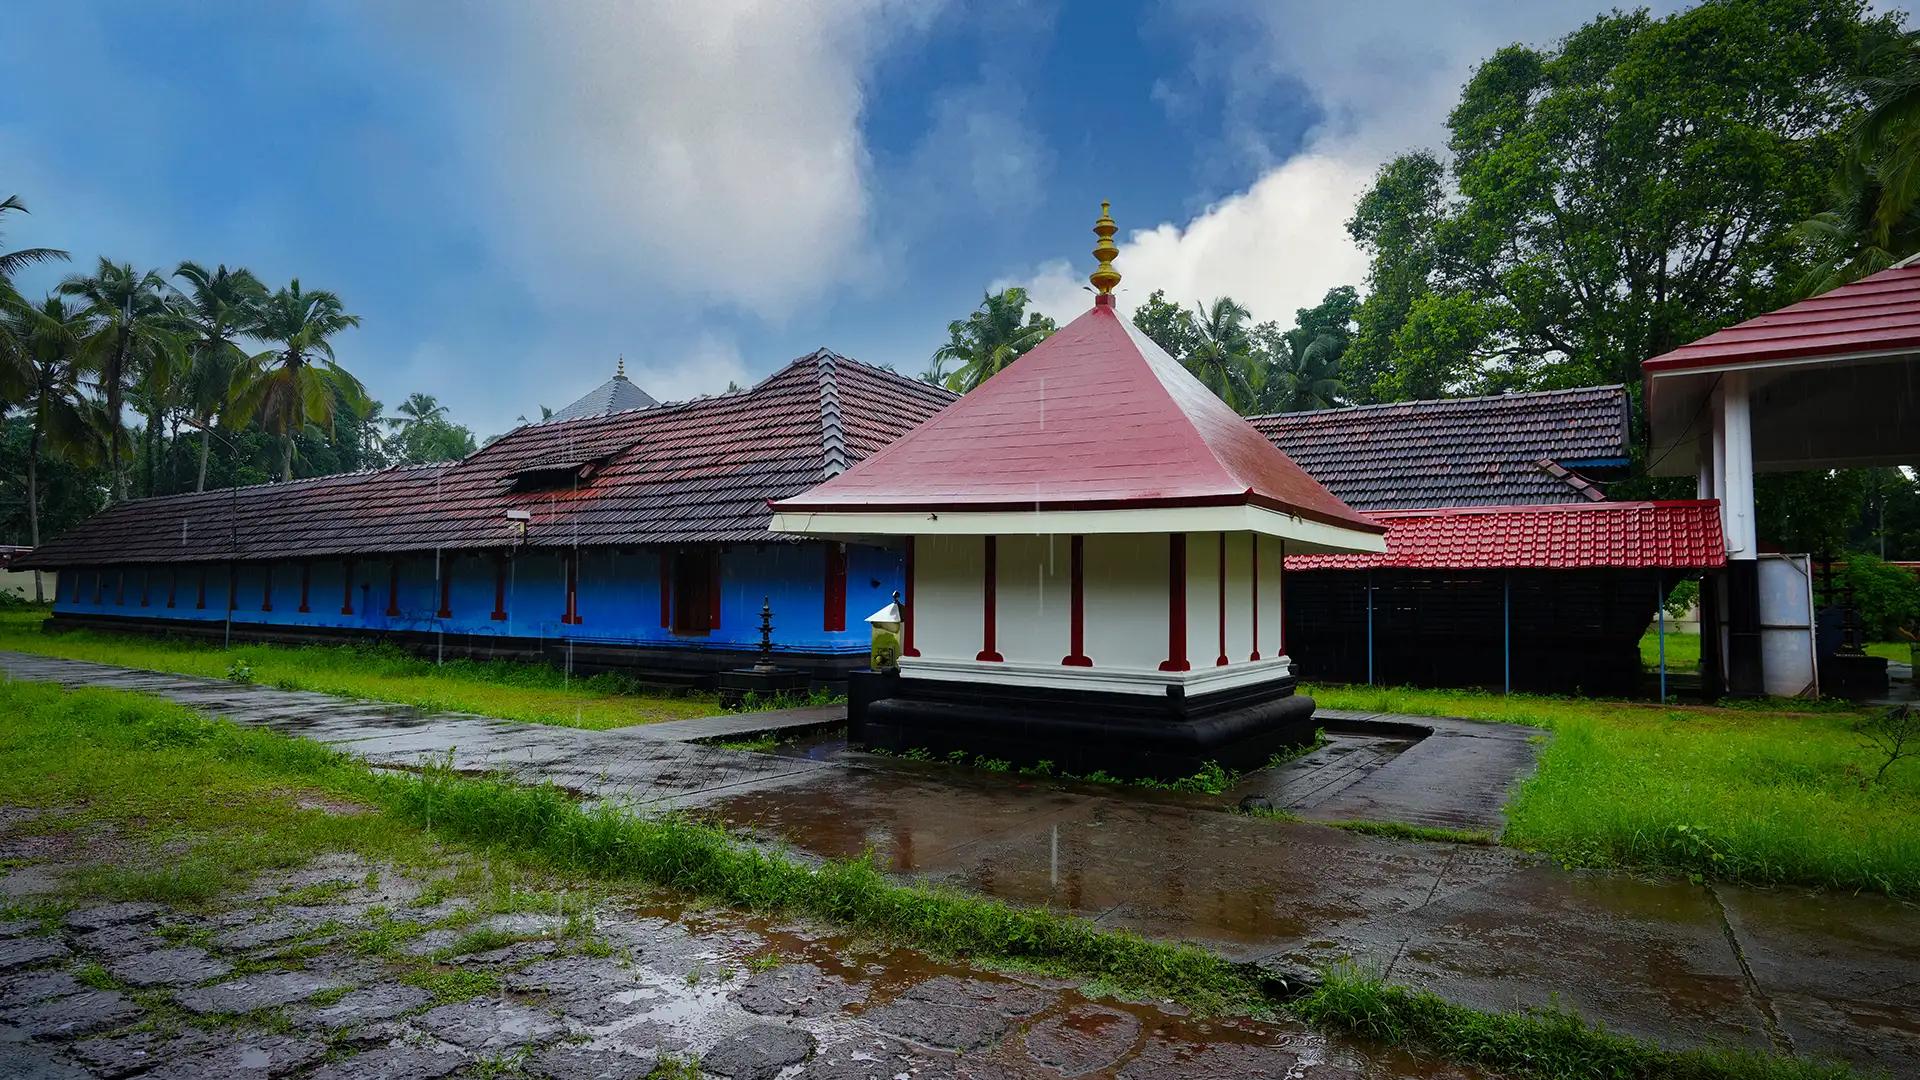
[(1094, 546), (623, 535)]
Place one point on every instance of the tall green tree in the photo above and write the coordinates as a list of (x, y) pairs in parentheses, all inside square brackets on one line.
[(1000, 331), (217, 308), (1168, 324), (1874, 219), (63, 421), (1619, 194), (133, 334), (15, 367), (299, 382)]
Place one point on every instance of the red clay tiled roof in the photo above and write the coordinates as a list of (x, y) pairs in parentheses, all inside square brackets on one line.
[(1878, 313), (1682, 534), (1097, 416), (702, 471), (1455, 452)]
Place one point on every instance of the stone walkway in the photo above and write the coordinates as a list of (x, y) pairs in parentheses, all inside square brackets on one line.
[(350, 970), (1825, 973)]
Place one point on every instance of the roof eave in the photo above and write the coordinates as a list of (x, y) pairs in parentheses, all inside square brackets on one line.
[(1304, 533)]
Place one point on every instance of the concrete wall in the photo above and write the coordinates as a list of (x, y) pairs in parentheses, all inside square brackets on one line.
[(618, 595)]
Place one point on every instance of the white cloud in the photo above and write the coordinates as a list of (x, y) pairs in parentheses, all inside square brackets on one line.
[(1275, 247), (708, 150), (705, 366), (1384, 75)]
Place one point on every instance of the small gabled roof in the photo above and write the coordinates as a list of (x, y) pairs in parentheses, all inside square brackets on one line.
[(1479, 451), (617, 394), (1097, 417)]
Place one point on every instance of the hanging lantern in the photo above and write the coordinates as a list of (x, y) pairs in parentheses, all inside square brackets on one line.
[(885, 625)]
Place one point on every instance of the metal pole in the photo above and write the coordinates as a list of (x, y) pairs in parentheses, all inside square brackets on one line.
[(1369, 628), (1506, 625), (1660, 613)]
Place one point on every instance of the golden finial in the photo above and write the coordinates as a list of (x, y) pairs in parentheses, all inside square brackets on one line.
[(620, 367), (1104, 276)]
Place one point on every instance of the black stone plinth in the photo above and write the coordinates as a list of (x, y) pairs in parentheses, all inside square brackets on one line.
[(1125, 735), (736, 684)]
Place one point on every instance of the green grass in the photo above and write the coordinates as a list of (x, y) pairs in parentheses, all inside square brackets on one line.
[(1399, 830), (162, 773), (1900, 652), (1767, 794), (513, 690), (1543, 1043), (1683, 650)]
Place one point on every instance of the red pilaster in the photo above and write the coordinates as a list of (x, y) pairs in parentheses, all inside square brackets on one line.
[(989, 590), (266, 587), (120, 588), (346, 587), (1280, 599), (146, 585), (393, 587), (906, 641), (835, 588), (200, 596), (1176, 604), (306, 585), (499, 588), (713, 592), (446, 588), (571, 617), (1076, 605), (173, 583), (1221, 660), (233, 586), (1254, 600)]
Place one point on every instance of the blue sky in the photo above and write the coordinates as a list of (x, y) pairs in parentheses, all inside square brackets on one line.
[(511, 195)]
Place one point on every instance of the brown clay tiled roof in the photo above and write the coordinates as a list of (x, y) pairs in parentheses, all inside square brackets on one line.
[(702, 471), (1457, 452)]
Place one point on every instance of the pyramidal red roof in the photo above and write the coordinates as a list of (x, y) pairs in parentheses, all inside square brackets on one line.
[(1097, 417), (1878, 313)]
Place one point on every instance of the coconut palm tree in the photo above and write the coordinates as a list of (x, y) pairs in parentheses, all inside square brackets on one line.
[(133, 334), (299, 382), (1302, 373), (14, 365), (217, 308), (999, 331), (12, 262), (419, 410), (52, 339), (1222, 350)]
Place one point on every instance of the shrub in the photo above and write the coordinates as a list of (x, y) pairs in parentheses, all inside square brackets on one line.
[(1887, 597)]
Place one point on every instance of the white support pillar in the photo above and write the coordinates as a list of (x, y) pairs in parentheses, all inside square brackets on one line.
[(1707, 482), (1736, 456), (1734, 430)]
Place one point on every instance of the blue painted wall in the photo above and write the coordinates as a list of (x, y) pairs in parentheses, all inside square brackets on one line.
[(618, 595)]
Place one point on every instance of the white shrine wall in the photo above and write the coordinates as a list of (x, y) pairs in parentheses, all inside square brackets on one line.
[(1127, 629)]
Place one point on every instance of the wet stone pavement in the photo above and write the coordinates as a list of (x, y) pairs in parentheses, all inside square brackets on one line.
[(346, 970), (1826, 974)]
